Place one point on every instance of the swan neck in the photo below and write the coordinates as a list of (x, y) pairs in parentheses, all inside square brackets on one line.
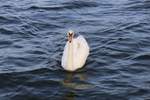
[(70, 55)]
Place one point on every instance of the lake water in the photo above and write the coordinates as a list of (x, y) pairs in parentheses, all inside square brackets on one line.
[(33, 35)]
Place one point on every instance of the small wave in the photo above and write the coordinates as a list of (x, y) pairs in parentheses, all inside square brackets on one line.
[(143, 56), (129, 26), (39, 52), (42, 83), (9, 19), (137, 6), (67, 5), (3, 18), (47, 7), (5, 43), (6, 31), (33, 71), (80, 4)]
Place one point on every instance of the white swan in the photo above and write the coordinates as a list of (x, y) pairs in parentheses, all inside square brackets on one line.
[(75, 52)]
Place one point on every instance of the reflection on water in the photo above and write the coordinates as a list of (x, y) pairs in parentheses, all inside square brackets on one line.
[(75, 81), (69, 96)]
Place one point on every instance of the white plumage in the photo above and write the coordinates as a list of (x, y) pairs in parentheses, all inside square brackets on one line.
[(75, 53)]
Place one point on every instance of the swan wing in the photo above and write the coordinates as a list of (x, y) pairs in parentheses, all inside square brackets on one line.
[(81, 51)]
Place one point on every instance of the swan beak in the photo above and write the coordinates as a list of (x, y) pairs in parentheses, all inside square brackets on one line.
[(70, 36)]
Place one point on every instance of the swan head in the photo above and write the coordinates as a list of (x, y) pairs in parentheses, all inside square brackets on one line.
[(70, 35)]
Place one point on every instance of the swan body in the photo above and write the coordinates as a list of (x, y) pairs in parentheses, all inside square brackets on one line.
[(75, 53)]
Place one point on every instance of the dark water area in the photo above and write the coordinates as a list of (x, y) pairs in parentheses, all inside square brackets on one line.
[(33, 35)]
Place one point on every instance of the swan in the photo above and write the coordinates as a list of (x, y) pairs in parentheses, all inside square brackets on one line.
[(75, 52)]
